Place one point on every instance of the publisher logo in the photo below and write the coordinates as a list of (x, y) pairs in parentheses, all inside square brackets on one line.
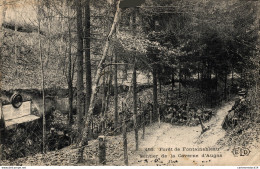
[(238, 151)]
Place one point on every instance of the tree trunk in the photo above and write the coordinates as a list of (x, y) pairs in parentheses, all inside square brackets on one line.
[(125, 137), (107, 95), (225, 88), (70, 75), (103, 102), (173, 81), (232, 78), (49, 37), (80, 86), (2, 6), (133, 27), (135, 105), (179, 82), (15, 47), (115, 95), (42, 83), (198, 72), (96, 82), (160, 84), (109, 90), (154, 93), (87, 55), (2, 18), (216, 81), (143, 120)]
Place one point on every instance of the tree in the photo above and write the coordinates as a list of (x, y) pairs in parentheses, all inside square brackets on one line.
[(87, 55), (135, 83), (70, 72), (115, 93), (43, 81), (80, 85), (2, 18)]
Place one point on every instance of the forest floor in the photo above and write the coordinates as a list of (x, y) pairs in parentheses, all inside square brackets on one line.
[(179, 143)]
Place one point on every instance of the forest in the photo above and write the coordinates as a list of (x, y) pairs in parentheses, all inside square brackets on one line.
[(108, 77)]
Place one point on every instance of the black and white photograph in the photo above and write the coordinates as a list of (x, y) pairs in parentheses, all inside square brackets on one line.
[(130, 83)]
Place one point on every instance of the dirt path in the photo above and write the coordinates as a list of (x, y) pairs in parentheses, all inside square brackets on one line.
[(183, 145), (166, 139)]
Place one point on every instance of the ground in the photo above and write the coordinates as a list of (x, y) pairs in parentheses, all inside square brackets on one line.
[(181, 145)]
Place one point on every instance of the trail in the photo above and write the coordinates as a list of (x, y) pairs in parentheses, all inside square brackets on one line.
[(181, 144)]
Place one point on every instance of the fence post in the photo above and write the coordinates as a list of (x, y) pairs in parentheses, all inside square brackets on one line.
[(102, 150)]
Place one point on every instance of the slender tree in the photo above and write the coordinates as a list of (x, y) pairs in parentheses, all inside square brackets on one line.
[(43, 81), (125, 137), (70, 72), (2, 6), (87, 55), (135, 84), (135, 104), (115, 93), (2, 18), (80, 85)]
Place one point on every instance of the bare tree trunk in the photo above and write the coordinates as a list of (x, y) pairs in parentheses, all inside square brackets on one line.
[(70, 75), (15, 46), (198, 72), (87, 55), (49, 37), (103, 102), (125, 137), (142, 117), (80, 85), (115, 95), (225, 88), (232, 78), (133, 28), (2, 6), (257, 61), (216, 81), (155, 102), (96, 82), (160, 84), (108, 92), (135, 105), (179, 82), (42, 83), (107, 83), (173, 81), (2, 18)]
